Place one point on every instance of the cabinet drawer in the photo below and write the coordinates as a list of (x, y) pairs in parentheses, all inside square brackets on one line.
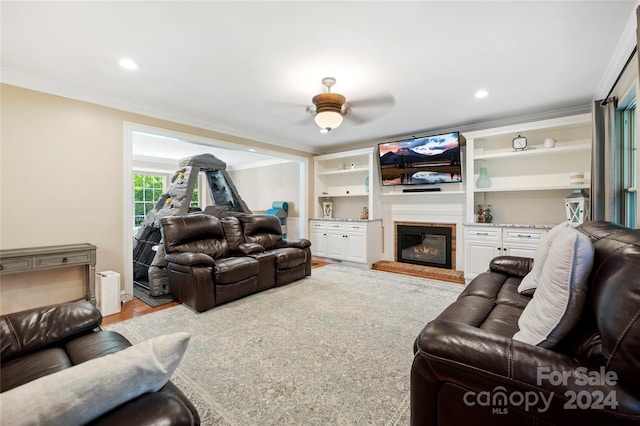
[(335, 225), (16, 265), (492, 234), (79, 258), (318, 225), (519, 235), (358, 227)]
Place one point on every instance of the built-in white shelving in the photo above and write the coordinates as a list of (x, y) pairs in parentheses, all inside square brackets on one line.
[(350, 180), (536, 150), (529, 186)]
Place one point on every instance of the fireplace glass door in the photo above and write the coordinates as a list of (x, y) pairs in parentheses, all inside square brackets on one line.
[(424, 245)]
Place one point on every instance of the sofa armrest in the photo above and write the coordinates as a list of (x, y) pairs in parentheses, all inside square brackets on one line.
[(151, 408), (300, 243), (511, 265), (25, 331), (190, 259), (477, 359), (250, 248)]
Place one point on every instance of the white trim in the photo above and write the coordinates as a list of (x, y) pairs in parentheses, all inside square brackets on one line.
[(127, 207), (625, 46)]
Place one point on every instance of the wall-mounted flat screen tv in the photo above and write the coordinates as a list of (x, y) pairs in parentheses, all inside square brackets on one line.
[(420, 161)]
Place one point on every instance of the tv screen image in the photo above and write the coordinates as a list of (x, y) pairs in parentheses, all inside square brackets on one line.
[(420, 161)]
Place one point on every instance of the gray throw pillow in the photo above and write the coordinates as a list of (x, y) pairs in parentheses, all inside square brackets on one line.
[(530, 281), (82, 393), (559, 300)]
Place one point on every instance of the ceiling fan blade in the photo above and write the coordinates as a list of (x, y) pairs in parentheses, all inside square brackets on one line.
[(355, 118), (382, 100)]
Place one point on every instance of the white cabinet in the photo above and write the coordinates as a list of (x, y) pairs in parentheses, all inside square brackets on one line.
[(483, 243), (528, 186), (350, 180), (318, 237), (351, 241)]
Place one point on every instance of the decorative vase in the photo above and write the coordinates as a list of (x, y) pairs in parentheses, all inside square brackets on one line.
[(366, 184), (483, 180)]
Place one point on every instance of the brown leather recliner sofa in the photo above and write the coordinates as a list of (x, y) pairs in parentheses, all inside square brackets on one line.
[(42, 341), (213, 261), (468, 369)]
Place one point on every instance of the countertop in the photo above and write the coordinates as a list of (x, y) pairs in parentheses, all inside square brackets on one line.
[(348, 220), (512, 225)]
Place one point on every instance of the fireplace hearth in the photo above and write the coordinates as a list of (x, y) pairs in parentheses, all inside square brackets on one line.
[(426, 244)]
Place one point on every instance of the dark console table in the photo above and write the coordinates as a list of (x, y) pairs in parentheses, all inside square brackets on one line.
[(14, 261)]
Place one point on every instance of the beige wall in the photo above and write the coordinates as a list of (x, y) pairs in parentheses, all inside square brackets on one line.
[(261, 186), (61, 180)]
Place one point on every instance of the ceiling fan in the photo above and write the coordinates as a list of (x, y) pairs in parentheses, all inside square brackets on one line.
[(329, 108)]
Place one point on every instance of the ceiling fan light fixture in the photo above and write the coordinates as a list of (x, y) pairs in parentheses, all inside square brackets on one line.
[(328, 120)]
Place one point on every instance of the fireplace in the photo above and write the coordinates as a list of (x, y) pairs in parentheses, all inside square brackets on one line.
[(426, 244)]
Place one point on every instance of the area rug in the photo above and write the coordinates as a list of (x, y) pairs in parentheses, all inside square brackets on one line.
[(154, 301), (333, 348)]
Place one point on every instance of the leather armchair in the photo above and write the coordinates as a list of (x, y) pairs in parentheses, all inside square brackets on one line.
[(468, 368), (41, 341), (202, 271)]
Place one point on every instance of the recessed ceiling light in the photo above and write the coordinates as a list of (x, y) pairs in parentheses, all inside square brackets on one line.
[(482, 94), (128, 64)]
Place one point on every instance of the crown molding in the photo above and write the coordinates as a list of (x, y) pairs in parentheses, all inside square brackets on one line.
[(32, 82), (624, 48)]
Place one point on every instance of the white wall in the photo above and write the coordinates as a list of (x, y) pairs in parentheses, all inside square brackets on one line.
[(261, 186)]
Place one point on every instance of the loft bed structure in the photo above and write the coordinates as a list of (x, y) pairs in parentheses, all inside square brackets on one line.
[(149, 266)]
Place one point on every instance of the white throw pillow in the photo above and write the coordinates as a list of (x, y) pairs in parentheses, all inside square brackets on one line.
[(559, 300), (530, 281), (85, 391)]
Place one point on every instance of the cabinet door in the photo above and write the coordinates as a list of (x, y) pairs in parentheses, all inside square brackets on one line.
[(336, 242), (356, 247), (519, 250), (319, 242), (478, 255)]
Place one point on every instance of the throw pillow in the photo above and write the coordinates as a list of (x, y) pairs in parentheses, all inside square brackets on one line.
[(558, 302), (530, 281), (85, 391)]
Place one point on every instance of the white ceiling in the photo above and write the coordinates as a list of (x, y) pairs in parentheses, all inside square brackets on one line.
[(250, 68)]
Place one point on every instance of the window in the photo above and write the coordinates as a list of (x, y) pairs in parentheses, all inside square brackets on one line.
[(195, 198), (147, 190), (627, 160)]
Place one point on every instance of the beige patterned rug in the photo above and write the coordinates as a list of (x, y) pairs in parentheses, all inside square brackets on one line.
[(334, 348)]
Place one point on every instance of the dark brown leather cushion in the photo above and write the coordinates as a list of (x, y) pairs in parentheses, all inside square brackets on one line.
[(198, 233), (234, 269), (33, 366), (262, 229), (615, 296), (287, 258), (29, 330)]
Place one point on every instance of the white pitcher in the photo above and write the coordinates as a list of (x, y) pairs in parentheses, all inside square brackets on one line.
[(550, 142)]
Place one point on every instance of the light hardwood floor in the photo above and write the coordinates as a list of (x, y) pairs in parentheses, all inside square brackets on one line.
[(137, 307)]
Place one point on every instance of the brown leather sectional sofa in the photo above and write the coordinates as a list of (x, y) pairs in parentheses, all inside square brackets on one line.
[(42, 341), (467, 368), (212, 261)]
